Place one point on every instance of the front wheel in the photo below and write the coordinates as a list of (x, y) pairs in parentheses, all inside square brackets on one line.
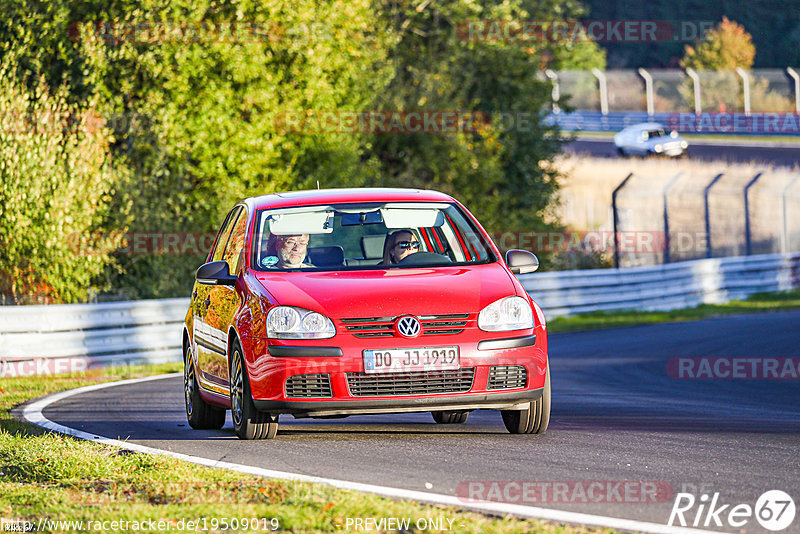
[(533, 419), (199, 413), (450, 418), (248, 423)]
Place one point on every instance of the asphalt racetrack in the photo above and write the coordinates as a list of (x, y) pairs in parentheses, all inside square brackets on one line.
[(759, 152), (620, 419)]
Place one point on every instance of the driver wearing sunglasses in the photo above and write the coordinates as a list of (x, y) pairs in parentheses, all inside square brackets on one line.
[(398, 245)]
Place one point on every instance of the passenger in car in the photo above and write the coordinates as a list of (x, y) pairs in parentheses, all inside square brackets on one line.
[(398, 245)]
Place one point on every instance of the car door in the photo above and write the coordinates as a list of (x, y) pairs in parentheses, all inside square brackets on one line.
[(224, 301), (207, 332)]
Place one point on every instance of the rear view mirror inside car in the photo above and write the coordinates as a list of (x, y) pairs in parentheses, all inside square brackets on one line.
[(353, 219)]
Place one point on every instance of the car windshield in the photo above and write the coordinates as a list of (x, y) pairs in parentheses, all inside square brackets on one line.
[(367, 236), (650, 134)]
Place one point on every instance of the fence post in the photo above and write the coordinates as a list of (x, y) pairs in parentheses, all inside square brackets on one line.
[(616, 218), (785, 232), (698, 107), (601, 78), (708, 219), (745, 89), (648, 89), (665, 194), (796, 77), (555, 95), (747, 236)]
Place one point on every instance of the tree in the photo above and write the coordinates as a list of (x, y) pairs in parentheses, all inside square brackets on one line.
[(55, 180), (716, 56), (193, 93), (502, 169), (724, 47)]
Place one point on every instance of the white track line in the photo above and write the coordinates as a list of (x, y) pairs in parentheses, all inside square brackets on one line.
[(33, 413)]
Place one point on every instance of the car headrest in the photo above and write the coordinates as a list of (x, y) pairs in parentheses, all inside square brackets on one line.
[(326, 256), (372, 246)]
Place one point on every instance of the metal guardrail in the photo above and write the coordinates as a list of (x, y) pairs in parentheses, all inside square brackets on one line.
[(753, 124), (74, 337), (595, 121), (663, 287)]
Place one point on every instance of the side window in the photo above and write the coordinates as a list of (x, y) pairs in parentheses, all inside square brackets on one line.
[(222, 240), (235, 249)]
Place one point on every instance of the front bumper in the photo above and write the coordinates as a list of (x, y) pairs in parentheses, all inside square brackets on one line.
[(331, 380), (323, 408)]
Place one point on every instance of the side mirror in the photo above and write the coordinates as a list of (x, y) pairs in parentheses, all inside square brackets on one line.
[(521, 261), (215, 273)]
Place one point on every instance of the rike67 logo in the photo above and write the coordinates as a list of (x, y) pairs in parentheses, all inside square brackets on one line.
[(774, 510)]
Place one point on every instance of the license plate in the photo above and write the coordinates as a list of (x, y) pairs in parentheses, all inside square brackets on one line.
[(405, 360)]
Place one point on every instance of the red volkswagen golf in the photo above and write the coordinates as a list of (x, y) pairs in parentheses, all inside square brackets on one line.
[(361, 301)]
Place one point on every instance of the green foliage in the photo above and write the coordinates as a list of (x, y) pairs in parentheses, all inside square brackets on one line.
[(194, 94), (212, 107), (502, 170), (717, 55), (55, 178), (725, 47)]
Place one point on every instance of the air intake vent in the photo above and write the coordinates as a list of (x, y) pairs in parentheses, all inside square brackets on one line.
[(416, 383), (308, 386), (507, 377), (369, 327)]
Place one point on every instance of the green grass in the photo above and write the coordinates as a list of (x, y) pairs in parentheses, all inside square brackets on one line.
[(46, 475), (759, 302)]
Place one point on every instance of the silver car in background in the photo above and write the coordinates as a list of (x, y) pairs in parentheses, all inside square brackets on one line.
[(650, 138)]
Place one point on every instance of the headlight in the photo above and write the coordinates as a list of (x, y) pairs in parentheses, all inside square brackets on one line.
[(288, 322), (658, 148), (684, 144), (510, 313)]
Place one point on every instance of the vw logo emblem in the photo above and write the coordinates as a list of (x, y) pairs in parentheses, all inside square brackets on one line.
[(408, 326)]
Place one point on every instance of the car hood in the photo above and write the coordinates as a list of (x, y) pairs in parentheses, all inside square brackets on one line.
[(391, 292)]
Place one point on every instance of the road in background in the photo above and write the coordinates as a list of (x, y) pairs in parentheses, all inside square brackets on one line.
[(759, 152), (618, 417)]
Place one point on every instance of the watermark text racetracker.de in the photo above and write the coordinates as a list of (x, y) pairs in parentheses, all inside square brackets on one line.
[(12, 367), (735, 122), (566, 241), (448, 122), (600, 31), (528, 492), (135, 243), (733, 368), (198, 524)]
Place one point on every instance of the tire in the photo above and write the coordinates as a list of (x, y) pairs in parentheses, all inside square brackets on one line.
[(535, 418), (450, 418), (248, 423), (621, 152), (199, 413)]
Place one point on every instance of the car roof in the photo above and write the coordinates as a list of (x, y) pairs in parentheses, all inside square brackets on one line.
[(646, 126), (341, 196)]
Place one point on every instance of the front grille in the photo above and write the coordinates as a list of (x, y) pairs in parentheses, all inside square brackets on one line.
[(306, 386), (507, 377), (415, 383), (369, 327)]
